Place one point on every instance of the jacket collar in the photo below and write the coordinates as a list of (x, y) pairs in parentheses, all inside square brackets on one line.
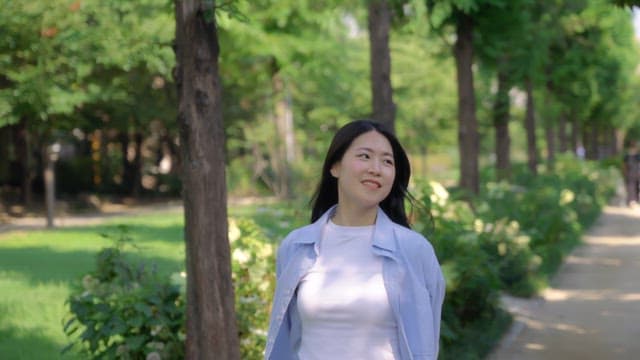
[(382, 236)]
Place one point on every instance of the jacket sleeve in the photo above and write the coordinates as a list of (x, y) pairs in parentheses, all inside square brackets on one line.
[(278, 341), (434, 280)]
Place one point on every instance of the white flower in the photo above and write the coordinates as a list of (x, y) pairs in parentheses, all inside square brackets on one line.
[(502, 249), (240, 256), (440, 194), (478, 225), (566, 197), (234, 231)]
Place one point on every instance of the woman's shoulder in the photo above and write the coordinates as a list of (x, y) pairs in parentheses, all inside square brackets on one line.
[(298, 234), (411, 240)]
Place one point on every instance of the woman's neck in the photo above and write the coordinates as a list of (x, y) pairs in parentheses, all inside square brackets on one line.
[(346, 216)]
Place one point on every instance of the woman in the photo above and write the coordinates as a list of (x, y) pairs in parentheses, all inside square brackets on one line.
[(357, 283)]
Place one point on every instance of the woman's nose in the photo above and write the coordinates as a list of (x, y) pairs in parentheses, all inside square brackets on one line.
[(374, 167)]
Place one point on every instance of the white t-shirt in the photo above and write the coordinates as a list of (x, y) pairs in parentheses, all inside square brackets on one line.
[(342, 301)]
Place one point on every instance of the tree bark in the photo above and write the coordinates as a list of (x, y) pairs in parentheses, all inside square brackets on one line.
[(562, 133), (49, 158), (379, 22), (468, 142), (283, 149), (501, 108), (577, 146), (211, 323), (530, 127), (137, 165), (5, 143), (550, 136), (24, 157), (549, 131)]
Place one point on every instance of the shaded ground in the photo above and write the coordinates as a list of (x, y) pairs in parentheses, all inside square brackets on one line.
[(592, 308), (37, 220)]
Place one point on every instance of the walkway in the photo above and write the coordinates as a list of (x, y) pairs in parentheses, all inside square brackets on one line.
[(592, 308)]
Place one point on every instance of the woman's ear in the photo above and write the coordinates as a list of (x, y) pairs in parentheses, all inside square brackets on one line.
[(335, 170)]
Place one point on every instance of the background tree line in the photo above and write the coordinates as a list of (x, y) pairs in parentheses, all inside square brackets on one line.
[(445, 74)]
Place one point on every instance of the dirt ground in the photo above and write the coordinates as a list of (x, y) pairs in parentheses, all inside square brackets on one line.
[(592, 308)]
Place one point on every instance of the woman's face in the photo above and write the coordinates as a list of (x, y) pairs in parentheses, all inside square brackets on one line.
[(366, 171)]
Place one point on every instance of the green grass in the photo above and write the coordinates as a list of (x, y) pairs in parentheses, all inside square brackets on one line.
[(37, 269)]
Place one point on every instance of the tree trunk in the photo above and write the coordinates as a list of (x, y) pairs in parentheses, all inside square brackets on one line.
[(127, 171), (562, 133), (468, 142), (24, 159), (594, 143), (49, 158), (283, 149), (137, 165), (5, 154), (577, 146), (501, 108), (619, 141), (211, 322), (380, 57), (549, 131), (550, 136), (530, 128)]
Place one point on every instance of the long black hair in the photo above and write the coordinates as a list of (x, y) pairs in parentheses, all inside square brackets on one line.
[(326, 194)]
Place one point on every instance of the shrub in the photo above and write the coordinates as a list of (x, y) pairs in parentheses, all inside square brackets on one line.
[(254, 281), (471, 315), (126, 311)]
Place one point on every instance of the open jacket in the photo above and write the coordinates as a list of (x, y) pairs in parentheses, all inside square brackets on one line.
[(412, 278)]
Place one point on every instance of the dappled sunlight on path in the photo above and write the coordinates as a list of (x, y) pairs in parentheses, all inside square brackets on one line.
[(592, 308)]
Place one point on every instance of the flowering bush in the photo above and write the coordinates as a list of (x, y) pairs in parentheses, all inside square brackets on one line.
[(130, 312), (253, 264)]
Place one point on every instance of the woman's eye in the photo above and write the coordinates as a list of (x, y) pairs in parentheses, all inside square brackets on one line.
[(389, 162), (363, 156)]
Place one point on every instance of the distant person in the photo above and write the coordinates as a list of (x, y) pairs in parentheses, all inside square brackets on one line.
[(357, 283), (631, 174)]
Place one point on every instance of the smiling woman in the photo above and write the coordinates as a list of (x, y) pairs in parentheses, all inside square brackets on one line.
[(358, 283)]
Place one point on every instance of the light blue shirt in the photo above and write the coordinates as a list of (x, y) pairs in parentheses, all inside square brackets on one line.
[(412, 278)]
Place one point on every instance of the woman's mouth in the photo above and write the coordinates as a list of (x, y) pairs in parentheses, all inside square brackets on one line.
[(372, 184)]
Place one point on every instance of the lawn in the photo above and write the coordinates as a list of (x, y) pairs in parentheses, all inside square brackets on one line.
[(37, 269)]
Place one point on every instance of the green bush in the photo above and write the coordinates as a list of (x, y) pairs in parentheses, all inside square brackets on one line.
[(471, 318), (254, 280), (551, 210), (126, 311), (511, 238)]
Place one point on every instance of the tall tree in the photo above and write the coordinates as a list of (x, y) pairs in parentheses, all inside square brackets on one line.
[(379, 23), (462, 15), (211, 322), (468, 137), (504, 49)]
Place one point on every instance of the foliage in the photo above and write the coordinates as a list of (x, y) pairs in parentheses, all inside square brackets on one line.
[(551, 210), (511, 238), (129, 311), (253, 261), (471, 302), (126, 311)]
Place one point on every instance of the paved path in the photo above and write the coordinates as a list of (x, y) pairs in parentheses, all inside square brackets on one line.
[(592, 308)]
